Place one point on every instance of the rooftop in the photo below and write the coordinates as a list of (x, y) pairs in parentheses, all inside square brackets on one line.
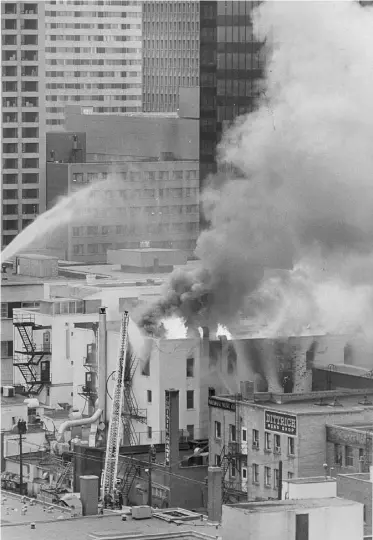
[(311, 480), (15, 400), (291, 504), (325, 402), (17, 527)]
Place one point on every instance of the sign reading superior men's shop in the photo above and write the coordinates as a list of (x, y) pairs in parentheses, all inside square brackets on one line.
[(220, 404), (280, 422), (167, 429)]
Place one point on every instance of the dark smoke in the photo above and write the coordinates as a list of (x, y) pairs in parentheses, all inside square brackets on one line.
[(308, 167)]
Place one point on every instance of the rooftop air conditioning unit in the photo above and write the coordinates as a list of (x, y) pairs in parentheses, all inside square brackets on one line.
[(8, 391), (141, 512)]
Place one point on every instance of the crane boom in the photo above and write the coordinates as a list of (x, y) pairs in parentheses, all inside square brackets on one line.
[(113, 440)]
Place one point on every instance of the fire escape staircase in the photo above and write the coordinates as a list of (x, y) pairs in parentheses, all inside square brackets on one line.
[(131, 411), (28, 359), (131, 470)]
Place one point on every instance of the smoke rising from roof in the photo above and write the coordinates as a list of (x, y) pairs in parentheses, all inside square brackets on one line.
[(307, 163)]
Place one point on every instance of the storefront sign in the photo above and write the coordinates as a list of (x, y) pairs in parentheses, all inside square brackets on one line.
[(167, 426), (280, 422), (220, 404)]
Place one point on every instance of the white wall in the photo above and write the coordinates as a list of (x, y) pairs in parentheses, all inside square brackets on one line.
[(12, 412), (329, 522), (309, 490)]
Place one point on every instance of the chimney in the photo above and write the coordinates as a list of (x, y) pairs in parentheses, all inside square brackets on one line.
[(205, 345), (247, 390), (102, 361), (214, 501), (302, 371), (224, 354), (172, 428)]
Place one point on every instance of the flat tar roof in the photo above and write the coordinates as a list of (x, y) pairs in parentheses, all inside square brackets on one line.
[(290, 504), (50, 526)]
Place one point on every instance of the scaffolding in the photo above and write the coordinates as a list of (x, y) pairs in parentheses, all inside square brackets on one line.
[(29, 360)]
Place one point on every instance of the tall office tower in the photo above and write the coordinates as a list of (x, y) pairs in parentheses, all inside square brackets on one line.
[(207, 45), (54, 53), (170, 52)]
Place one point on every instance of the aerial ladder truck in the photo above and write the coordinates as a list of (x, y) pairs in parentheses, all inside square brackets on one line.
[(110, 471)]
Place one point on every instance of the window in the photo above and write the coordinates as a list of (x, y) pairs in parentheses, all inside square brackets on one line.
[(267, 441), (244, 473), (92, 230), (30, 148), (232, 432), (290, 475), (218, 430), (244, 435), (92, 248), (30, 178), (291, 446), (30, 193), (255, 438), (4, 310), (105, 230), (276, 478), (277, 443), (190, 430), (255, 473), (190, 399), (349, 456), (76, 231), (6, 348), (190, 367), (267, 476), (30, 132), (212, 391), (233, 467), (30, 209), (217, 460), (10, 24), (78, 177), (361, 455), (78, 249), (149, 432), (149, 396)]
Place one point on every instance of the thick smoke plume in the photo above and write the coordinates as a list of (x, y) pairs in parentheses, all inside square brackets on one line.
[(307, 162)]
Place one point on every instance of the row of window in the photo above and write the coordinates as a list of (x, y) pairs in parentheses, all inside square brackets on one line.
[(26, 86), (93, 249), (86, 14), (26, 71), (9, 194), (12, 101), (91, 62), (134, 176), (26, 133), (27, 163), (91, 26), (27, 178), (27, 209), (89, 37), (93, 50), (8, 307), (90, 86), (12, 224), (269, 438), (347, 452), (26, 8), (26, 56), (10, 117), (27, 148), (97, 74), (121, 3)]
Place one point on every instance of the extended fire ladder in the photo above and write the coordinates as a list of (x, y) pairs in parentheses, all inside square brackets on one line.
[(113, 440)]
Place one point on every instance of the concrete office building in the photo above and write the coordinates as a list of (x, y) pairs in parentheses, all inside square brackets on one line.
[(204, 51), (54, 53)]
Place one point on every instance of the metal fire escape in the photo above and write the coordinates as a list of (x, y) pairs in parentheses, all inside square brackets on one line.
[(131, 410), (113, 440), (28, 360), (89, 390), (129, 470), (231, 456)]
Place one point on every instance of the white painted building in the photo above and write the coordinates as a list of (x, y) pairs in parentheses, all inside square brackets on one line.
[(312, 519)]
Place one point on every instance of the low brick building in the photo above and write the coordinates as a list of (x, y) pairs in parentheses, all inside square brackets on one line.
[(358, 487), (252, 435)]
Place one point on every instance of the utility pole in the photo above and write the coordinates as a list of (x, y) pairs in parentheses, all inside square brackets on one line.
[(279, 495), (150, 480), (21, 430)]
